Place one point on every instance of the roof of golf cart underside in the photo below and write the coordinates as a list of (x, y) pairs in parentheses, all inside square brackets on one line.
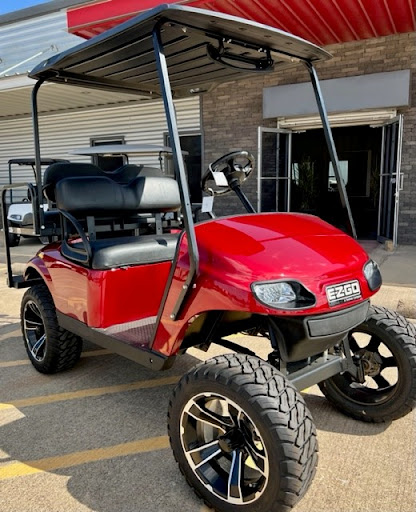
[(122, 59)]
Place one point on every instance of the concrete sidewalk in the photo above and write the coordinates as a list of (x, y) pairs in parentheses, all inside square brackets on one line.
[(398, 269)]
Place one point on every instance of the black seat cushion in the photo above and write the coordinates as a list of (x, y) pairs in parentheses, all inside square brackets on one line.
[(124, 251), (128, 172), (97, 195), (61, 170)]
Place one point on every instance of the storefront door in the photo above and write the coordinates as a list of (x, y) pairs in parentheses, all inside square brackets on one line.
[(274, 169), (390, 180)]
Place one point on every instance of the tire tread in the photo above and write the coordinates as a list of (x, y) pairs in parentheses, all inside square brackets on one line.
[(264, 385), (64, 347)]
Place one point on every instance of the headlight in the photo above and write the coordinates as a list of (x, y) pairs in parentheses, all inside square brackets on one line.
[(16, 217), (372, 274), (283, 295)]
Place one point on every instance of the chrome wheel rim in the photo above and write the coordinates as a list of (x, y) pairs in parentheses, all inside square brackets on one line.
[(34, 330), (224, 448)]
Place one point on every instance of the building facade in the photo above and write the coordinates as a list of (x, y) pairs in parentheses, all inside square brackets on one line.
[(70, 117), (369, 84), (235, 111)]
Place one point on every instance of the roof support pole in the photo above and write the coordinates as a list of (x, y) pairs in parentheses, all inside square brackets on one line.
[(179, 172), (331, 145), (38, 217)]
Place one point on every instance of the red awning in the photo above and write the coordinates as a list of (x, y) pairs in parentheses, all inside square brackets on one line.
[(319, 21)]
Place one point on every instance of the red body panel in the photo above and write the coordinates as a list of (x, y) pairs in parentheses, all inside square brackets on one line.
[(101, 298), (234, 252), (237, 251)]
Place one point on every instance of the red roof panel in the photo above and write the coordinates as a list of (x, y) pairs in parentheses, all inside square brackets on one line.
[(320, 21)]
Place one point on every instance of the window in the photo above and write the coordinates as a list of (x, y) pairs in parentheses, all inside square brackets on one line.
[(332, 180), (108, 163), (191, 143)]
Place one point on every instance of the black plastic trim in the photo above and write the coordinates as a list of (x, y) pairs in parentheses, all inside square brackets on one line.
[(141, 355)]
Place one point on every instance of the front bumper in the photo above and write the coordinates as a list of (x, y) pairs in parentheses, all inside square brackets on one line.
[(303, 337)]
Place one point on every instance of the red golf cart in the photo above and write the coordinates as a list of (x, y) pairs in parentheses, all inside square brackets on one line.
[(134, 272)]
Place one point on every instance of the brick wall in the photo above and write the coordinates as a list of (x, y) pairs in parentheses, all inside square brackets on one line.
[(232, 112)]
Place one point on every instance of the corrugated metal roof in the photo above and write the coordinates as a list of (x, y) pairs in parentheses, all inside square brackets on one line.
[(26, 43), (320, 21), (55, 98), (38, 10), (138, 124)]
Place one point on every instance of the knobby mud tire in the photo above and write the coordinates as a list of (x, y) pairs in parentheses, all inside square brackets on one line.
[(399, 336), (280, 415), (62, 349)]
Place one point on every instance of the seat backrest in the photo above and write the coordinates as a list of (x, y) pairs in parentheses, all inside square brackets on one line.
[(128, 172), (59, 171), (100, 195), (62, 170)]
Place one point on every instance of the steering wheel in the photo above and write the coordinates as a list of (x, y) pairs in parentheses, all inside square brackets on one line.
[(236, 166)]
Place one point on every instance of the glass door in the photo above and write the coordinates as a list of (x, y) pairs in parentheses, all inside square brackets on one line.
[(391, 180), (274, 169)]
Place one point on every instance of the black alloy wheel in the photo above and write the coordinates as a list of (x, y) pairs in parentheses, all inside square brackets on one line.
[(34, 331), (50, 348), (242, 435), (385, 345)]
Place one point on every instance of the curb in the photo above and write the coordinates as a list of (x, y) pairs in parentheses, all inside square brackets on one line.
[(397, 298)]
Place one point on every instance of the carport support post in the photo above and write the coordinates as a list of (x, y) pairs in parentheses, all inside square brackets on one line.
[(166, 90), (38, 217), (331, 145)]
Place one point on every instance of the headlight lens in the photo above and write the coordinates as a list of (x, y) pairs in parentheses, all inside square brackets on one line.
[(16, 217), (372, 275), (274, 294), (283, 295)]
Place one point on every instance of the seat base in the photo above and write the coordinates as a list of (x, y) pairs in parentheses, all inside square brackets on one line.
[(110, 253)]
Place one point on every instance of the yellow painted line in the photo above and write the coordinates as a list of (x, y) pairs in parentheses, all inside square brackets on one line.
[(16, 469), (6, 331), (25, 362), (85, 393)]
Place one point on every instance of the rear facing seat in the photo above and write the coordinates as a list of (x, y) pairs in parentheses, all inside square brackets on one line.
[(89, 197), (61, 170)]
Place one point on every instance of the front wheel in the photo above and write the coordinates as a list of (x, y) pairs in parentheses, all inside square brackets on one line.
[(50, 348), (385, 344), (242, 435)]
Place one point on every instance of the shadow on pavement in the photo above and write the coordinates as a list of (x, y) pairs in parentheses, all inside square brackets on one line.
[(329, 419)]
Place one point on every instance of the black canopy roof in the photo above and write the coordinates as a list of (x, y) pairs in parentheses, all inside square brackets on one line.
[(202, 48)]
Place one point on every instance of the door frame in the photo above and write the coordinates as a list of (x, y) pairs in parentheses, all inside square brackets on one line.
[(288, 178), (398, 176)]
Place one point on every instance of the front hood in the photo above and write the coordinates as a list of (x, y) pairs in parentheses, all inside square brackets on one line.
[(264, 247)]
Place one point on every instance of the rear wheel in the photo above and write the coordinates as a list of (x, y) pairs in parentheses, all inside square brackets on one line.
[(50, 348), (386, 345), (242, 435), (14, 239)]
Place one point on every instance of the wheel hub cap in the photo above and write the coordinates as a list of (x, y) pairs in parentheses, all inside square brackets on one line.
[(372, 362), (233, 440)]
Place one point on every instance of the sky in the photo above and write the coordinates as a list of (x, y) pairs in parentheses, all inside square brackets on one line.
[(15, 5)]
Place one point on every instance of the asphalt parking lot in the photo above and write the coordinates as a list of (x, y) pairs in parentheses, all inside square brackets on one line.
[(94, 438)]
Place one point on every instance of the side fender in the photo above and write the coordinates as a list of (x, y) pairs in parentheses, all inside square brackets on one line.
[(37, 268)]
